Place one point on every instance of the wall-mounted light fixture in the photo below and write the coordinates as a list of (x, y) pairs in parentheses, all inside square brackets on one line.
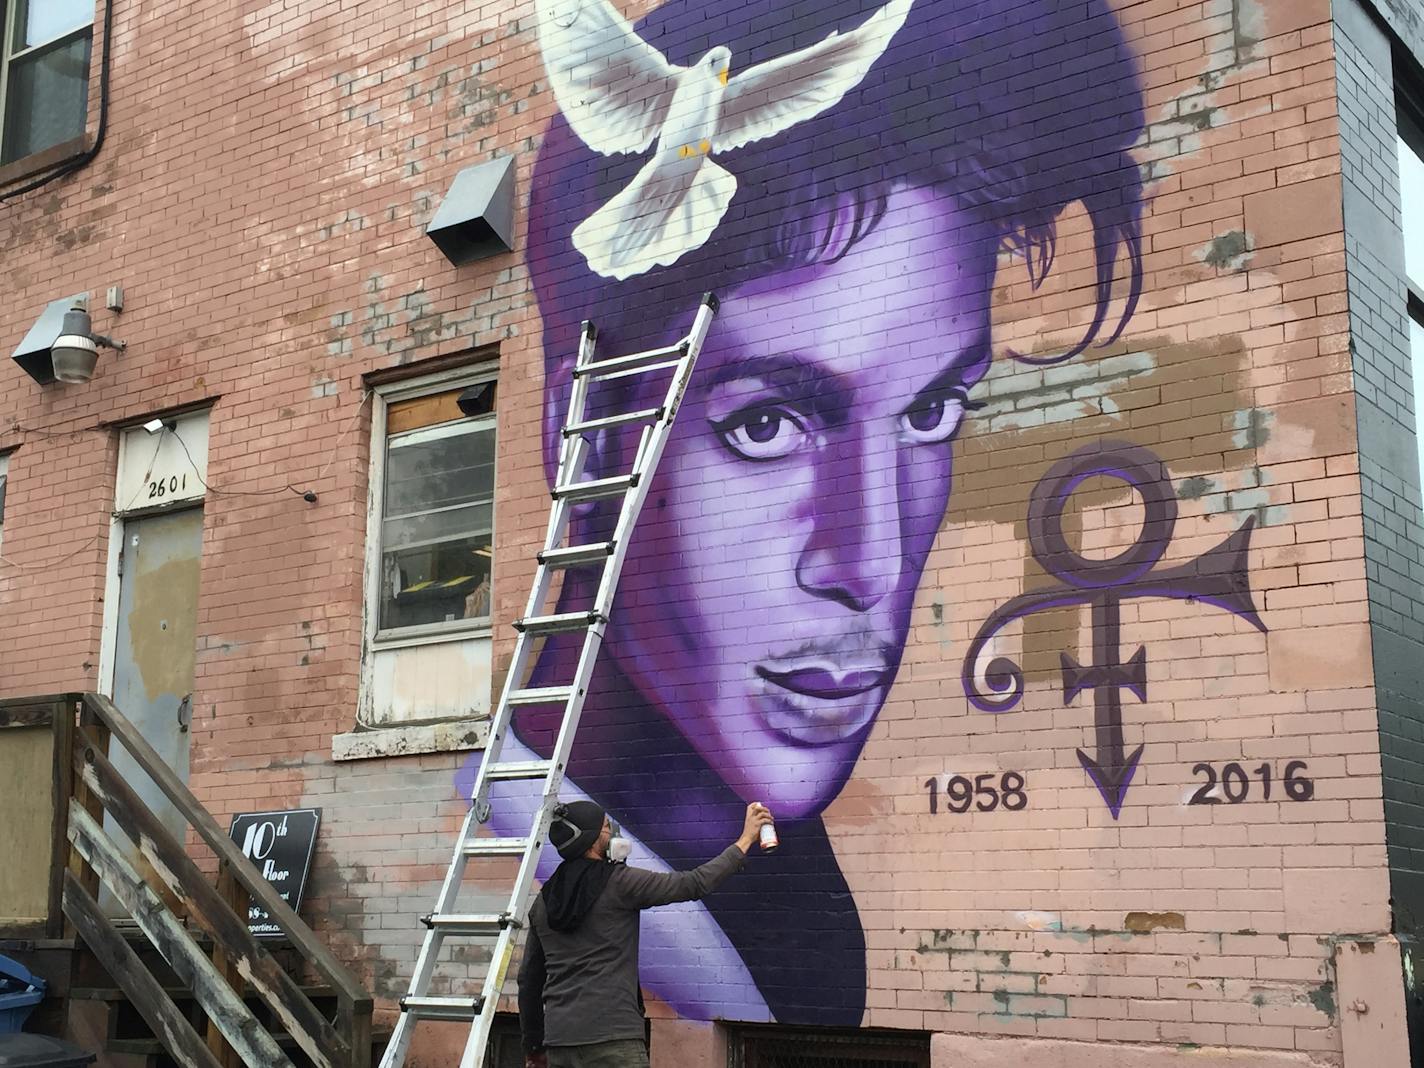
[(61, 346), (76, 350)]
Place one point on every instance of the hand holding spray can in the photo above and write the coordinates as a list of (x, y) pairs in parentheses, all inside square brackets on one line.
[(766, 837)]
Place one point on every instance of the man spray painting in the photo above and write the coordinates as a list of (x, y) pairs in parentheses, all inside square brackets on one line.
[(766, 600), (579, 1004)]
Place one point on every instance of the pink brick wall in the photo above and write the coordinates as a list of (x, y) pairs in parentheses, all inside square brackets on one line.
[(269, 172)]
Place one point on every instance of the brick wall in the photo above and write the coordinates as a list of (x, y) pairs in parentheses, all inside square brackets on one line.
[(1385, 409), (262, 195)]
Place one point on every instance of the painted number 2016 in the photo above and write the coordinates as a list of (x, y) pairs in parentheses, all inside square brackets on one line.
[(982, 792), (1236, 783), (164, 486)]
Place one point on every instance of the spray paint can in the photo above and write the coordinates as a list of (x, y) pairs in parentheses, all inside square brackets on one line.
[(767, 838)]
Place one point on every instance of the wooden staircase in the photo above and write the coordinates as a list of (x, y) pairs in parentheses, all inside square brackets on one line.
[(180, 981)]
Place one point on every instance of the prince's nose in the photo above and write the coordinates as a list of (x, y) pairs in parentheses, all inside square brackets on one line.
[(852, 555)]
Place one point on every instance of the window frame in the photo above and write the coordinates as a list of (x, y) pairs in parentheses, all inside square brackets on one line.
[(1409, 128), (4, 492), (1409, 131), (9, 54), (382, 397)]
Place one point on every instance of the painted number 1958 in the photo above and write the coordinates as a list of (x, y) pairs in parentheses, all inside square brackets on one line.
[(985, 793), (1236, 783)]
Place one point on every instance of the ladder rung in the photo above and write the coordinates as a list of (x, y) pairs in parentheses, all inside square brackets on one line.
[(641, 369), (645, 415), (469, 923), (495, 847), (430, 1008), (541, 695), (556, 624), (518, 769), (595, 488), (577, 555), (652, 357)]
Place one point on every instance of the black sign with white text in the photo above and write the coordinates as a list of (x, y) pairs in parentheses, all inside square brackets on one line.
[(281, 844)]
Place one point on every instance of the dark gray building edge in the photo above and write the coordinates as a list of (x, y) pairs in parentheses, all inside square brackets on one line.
[(1374, 43)]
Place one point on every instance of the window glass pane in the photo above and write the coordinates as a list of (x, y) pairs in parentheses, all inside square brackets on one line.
[(48, 98), (1416, 359), (423, 528), (438, 468), (38, 21), (436, 528), (1411, 190), (4, 481), (436, 583)]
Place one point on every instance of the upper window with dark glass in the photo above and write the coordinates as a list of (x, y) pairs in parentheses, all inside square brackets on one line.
[(44, 74), (437, 515)]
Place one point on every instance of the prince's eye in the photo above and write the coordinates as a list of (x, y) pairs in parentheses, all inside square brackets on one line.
[(761, 433), (935, 417)]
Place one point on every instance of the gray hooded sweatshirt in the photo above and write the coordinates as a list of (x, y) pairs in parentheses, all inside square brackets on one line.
[(580, 986)]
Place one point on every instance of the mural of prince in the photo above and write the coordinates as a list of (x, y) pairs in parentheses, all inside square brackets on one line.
[(848, 197)]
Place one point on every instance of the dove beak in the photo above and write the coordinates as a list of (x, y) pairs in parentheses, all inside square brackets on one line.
[(725, 75)]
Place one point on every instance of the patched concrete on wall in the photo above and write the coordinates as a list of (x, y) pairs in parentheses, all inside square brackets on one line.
[(969, 1051)]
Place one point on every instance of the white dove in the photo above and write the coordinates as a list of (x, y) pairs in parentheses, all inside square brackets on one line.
[(619, 94)]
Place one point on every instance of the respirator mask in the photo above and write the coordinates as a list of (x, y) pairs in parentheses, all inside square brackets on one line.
[(619, 848)]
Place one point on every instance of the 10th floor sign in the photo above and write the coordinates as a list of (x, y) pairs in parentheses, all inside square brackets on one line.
[(281, 845)]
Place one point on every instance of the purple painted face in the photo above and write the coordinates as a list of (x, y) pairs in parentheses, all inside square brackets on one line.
[(768, 589)]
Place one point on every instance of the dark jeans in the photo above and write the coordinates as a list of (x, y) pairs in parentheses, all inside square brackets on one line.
[(620, 1053)]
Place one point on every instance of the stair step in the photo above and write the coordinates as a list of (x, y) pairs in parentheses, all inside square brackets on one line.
[(152, 1047), (595, 488), (446, 1008), (556, 624), (643, 415), (577, 555), (506, 771), (470, 923), (643, 361), (540, 695), (495, 847), (183, 993)]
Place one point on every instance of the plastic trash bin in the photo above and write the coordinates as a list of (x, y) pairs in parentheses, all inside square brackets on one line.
[(41, 1051), (20, 992)]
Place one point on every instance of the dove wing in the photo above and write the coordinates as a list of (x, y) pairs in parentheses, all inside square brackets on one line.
[(776, 95), (613, 87)]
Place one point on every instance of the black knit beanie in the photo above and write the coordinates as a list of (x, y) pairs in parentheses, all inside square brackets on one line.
[(575, 827)]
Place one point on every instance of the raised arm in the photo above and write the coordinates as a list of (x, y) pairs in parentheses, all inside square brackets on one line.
[(647, 889)]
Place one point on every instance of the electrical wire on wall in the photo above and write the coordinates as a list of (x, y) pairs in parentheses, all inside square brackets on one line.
[(69, 166), (307, 495)]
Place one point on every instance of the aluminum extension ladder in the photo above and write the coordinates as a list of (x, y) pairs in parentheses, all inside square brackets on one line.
[(570, 488)]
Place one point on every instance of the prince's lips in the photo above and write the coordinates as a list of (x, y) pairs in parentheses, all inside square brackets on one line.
[(815, 702), (825, 682)]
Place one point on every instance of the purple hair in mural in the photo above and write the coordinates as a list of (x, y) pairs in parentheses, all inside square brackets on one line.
[(766, 600)]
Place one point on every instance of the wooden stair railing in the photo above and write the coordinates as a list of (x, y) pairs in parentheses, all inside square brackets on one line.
[(240, 962)]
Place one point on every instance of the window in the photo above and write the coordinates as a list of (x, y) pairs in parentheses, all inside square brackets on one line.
[(44, 74), (785, 1047), (4, 481), (1410, 146), (437, 505)]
